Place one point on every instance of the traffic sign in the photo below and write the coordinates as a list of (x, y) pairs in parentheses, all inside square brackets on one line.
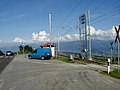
[(117, 34), (111, 45), (23, 44)]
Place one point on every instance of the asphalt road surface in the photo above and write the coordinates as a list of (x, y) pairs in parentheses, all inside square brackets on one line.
[(4, 61), (25, 74)]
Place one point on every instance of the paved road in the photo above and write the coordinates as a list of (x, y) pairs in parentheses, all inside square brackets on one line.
[(25, 74), (4, 61)]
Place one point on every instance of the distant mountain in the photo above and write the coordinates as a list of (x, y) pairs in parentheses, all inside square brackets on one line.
[(98, 46)]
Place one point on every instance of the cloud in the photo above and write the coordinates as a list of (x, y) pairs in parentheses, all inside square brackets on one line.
[(41, 36), (102, 34), (69, 37), (17, 40), (96, 34), (0, 41)]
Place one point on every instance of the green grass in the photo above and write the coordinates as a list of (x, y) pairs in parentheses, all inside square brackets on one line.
[(114, 73), (80, 61), (65, 59)]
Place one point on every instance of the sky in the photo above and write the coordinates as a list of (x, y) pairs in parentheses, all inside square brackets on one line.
[(28, 21)]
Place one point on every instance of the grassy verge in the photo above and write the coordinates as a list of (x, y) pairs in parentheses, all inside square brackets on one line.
[(65, 59), (114, 73), (80, 61)]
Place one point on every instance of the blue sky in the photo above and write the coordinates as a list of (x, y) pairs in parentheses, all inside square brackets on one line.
[(20, 18)]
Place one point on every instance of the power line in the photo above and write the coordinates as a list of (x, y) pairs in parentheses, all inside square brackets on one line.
[(98, 6), (69, 14), (114, 14), (88, 6), (106, 13)]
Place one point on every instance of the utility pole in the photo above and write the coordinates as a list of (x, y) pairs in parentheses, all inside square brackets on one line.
[(111, 48), (89, 35), (83, 36), (58, 43), (50, 24), (79, 31), (117, 39), (118, 55)]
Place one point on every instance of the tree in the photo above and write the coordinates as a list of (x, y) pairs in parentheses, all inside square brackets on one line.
[(27, 49)]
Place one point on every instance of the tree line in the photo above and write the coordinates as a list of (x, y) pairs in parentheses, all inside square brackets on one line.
[(26, 49)]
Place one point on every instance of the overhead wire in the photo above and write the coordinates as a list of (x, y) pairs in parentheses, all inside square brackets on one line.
[(106, 13), (114, 14), (88, 6), (98, 6), (70, 13)]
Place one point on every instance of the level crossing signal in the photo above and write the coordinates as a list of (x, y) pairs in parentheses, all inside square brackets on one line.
[(117, 34), (111, 45)]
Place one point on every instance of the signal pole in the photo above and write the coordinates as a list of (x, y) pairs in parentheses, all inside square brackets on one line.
[(111, 48), (50, 24), (83, 36), (58, 43), (117, 39), (89, 35)]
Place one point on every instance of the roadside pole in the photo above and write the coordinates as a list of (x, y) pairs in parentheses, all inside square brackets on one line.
[(117, 39), (89, 35), (23, 45), (108, 66), (50, 24), (118, 55), (58, 43), (111, 48)]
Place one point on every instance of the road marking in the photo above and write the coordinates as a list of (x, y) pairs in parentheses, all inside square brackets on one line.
[(10, 67), (1, 83), (13, 60), (41, 62), (12, 88)]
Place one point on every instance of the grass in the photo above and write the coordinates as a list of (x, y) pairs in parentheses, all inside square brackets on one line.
[(65, 59), (114, 73), (80, 61)]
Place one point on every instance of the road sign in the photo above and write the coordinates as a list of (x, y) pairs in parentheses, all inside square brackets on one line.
[(23, 44), (117, 39), (117, 34), (111, 45)]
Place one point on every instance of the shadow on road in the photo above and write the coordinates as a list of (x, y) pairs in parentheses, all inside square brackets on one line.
[(4, 62)]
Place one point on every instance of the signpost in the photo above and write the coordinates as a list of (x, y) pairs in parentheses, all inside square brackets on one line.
[(111, 48), (108, 66), (117, 39), (23, 45)]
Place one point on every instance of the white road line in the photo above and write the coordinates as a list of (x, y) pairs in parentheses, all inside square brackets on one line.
[(12, 88), (10, 67), (13, 60), (1, 83)]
